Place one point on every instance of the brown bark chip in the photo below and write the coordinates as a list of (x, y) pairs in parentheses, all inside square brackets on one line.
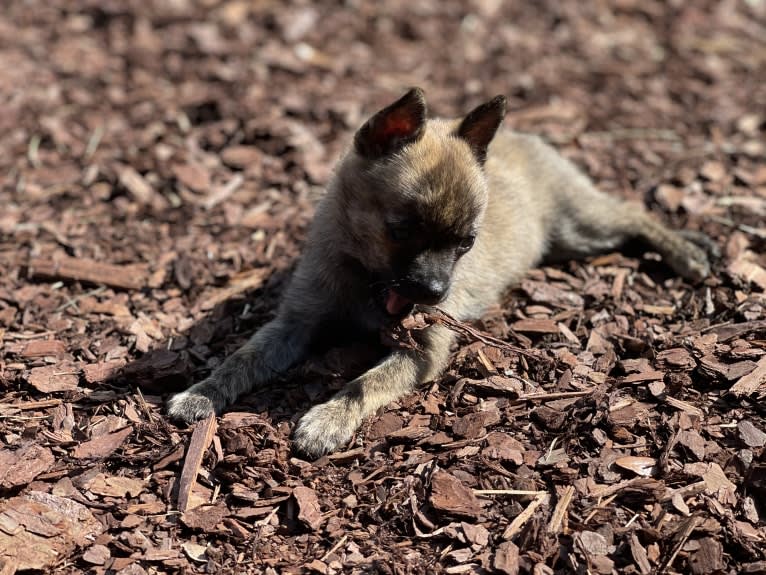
[(694, 442), (159, 170), (640, 556), (506, 558), (473, 425), (44, 348), (103, 445), (204, 517), (708, 558), (242, 157), (676, 358), (38, 529), (54, 378), (751, 382), (592, 543), (748, 271), (536, 326), (385, 425), (115, 486), (501, 446), (475, 534), (136, 184), (102, 371), (21, 466), (449, 494), (193, 176), (543, 292), (751, 435), (309, 511), (97, 555)]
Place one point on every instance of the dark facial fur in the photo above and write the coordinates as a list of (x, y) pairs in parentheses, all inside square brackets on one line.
[(412, 197)]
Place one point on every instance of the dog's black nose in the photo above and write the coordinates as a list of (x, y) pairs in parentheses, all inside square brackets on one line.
[(426, 291), (435, 289)]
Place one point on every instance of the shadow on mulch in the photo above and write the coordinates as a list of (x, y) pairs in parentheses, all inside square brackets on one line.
[(338, 356), (176, 363)]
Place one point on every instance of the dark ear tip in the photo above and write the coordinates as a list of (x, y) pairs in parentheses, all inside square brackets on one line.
[(416, 92), (415, 95), (500, 102)]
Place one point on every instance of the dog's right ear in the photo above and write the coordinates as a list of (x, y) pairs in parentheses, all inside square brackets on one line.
[(393, 127), (478, 128)]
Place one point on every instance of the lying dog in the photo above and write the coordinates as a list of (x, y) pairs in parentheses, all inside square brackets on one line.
[(426, 211)]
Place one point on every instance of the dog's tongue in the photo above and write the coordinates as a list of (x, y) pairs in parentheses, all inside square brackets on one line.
[(395, 303)]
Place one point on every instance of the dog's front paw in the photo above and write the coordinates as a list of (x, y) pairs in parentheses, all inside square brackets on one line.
[(325, 428), (190, 405), (692, 263)]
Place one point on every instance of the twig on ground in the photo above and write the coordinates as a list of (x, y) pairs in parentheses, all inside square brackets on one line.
[(200, 441), (557, 519), (524, 516)]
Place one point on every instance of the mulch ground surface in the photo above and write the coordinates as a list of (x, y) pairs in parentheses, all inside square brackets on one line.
[(159, 164)]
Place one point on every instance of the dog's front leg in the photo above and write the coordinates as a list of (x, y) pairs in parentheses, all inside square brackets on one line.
[(268, 354), (329, 426)]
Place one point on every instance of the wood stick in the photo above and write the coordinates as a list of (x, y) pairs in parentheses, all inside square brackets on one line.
[(557, 519), (63, 267), (442, 317), (334, 548), (749, 383), (683, 406), (200, 441), (542, 396), (425, 316), (524, 516), (681, 536), (40, 404), (507, 492)]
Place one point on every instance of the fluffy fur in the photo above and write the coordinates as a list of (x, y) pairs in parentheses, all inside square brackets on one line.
[(406, 201)]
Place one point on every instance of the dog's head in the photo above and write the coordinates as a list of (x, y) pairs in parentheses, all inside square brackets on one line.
[(413, 194)]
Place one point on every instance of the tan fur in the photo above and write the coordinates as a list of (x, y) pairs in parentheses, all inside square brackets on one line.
[(526, 201)]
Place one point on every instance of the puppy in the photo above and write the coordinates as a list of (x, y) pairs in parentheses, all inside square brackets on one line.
[(425, 211)]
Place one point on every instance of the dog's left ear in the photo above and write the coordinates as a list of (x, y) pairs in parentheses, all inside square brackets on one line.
[(393, 127), (479, 126)]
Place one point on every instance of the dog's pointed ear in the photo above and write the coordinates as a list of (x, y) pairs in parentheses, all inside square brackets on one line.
[(479, 126), (393, 127)]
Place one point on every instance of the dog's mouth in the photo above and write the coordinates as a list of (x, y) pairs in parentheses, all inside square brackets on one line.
[(397, 305)]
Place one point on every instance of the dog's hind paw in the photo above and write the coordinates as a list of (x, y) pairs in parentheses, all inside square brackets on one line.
[(704, 241), (691, 262)]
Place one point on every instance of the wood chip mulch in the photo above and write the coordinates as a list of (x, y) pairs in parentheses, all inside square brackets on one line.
[(158, 168)]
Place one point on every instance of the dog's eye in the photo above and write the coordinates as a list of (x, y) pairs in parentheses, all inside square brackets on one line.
[(400, 232), (465, 244)]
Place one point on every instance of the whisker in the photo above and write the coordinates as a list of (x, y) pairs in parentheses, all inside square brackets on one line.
[(384, 284)]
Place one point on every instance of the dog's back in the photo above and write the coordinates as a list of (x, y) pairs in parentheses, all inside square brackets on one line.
[(541, 206)]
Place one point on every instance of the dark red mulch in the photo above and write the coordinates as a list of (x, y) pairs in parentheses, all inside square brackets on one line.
[(158, 168)]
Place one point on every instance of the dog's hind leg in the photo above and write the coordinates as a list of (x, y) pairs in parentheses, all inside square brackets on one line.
[(588, 221)]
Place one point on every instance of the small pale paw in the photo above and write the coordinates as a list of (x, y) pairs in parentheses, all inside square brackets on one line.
[(325, 428), (704, 241), (689, 261), (190, 406), (695, 266)]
